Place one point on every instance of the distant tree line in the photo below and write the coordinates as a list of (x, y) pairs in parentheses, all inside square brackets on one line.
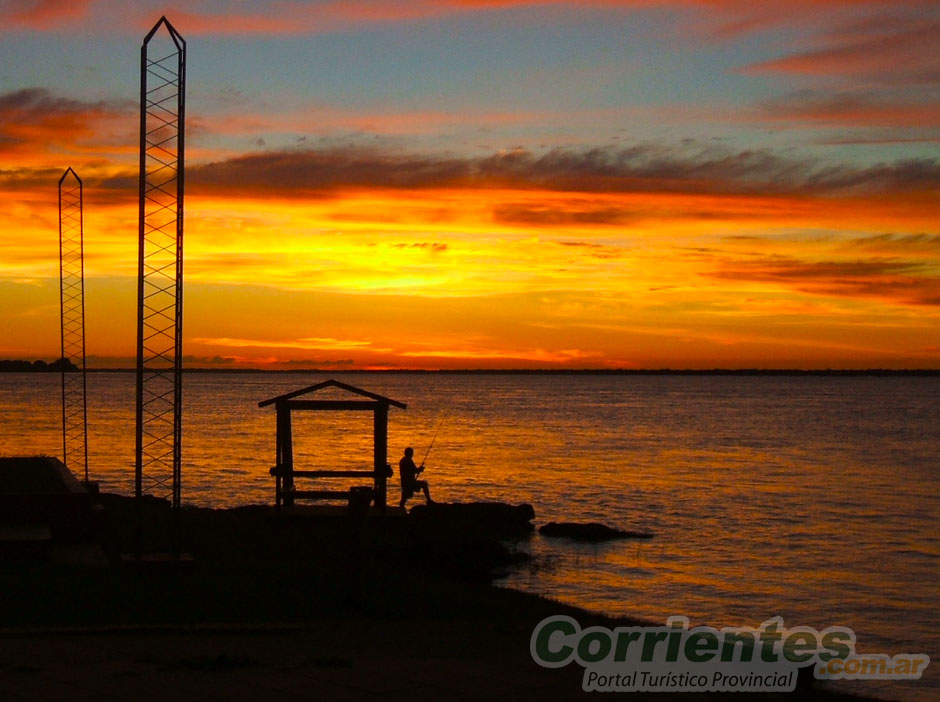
[(62, 364)]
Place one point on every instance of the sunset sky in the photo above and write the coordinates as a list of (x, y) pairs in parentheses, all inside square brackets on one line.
[(493, 183)]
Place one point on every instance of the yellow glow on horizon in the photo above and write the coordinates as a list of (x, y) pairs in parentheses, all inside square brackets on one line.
[(515, 277)]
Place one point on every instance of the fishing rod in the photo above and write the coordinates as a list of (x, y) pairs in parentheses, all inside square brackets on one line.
[(440, 423)]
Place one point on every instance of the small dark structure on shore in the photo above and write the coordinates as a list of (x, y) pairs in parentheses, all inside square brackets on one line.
[(283, 470), (43, 506)]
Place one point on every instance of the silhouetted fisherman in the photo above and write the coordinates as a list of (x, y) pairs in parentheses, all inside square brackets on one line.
[(409, 478)]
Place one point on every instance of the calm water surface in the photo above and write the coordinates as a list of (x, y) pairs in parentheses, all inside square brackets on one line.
[(811, 498)]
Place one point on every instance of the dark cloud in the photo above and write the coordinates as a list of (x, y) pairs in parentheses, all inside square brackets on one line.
[(221, 360), (642, 168), (906, 282), (781, 268), (557, 216), (35, 99), (312, 171), (898, 243), (854, 109), (36, 104), (34, 120), (97, 190), (885, 137), (433, 246), (26, 178)]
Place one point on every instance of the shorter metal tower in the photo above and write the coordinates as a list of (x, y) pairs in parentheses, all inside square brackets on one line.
[(72, 302)]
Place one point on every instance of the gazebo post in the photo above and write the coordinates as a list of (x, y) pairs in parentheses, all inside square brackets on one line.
[(380, 450), (285, 454)]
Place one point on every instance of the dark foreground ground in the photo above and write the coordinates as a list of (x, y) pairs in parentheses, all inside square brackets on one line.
[(283, 607)]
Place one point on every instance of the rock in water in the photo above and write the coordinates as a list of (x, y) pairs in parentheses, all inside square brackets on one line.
[(591, 531)]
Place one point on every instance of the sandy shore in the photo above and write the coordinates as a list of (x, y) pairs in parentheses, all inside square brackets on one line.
[(327, 660)]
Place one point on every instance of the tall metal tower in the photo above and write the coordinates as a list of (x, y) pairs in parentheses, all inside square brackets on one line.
[(72, 303), (160, 268)]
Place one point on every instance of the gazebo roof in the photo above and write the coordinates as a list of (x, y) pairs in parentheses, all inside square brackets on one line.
[(379, 399)]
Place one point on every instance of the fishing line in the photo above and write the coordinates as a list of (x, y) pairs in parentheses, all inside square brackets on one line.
[(440, 423)]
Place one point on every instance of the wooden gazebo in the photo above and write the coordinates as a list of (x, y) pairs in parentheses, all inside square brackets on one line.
[(285, 492)]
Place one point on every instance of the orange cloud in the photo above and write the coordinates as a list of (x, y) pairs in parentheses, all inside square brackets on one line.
[(286, 17), (309, 344), (541, 356), (38, 128), (813, 109), (908, 246), (888, 47), (41, 14), (890, 280)]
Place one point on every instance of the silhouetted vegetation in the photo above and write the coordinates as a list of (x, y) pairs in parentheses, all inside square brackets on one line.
[(56, 366)]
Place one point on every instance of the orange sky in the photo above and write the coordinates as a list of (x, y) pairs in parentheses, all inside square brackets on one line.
[(337, 235)]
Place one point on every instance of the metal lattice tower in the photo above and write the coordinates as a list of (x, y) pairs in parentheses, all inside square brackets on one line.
[(72, 302), (160, 269)]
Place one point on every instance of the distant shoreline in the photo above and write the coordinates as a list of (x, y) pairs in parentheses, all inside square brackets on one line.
[(836, 372)]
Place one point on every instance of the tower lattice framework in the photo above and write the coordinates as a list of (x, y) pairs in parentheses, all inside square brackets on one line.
[(160, 271), (72, 319)]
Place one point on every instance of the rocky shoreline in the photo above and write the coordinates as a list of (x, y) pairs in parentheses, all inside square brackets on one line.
[(306, 604)]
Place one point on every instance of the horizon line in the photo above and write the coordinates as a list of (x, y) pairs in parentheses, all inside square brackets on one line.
[(41, 365), (540, 371)]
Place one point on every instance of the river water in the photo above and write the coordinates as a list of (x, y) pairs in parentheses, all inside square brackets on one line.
[(813, 498)]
